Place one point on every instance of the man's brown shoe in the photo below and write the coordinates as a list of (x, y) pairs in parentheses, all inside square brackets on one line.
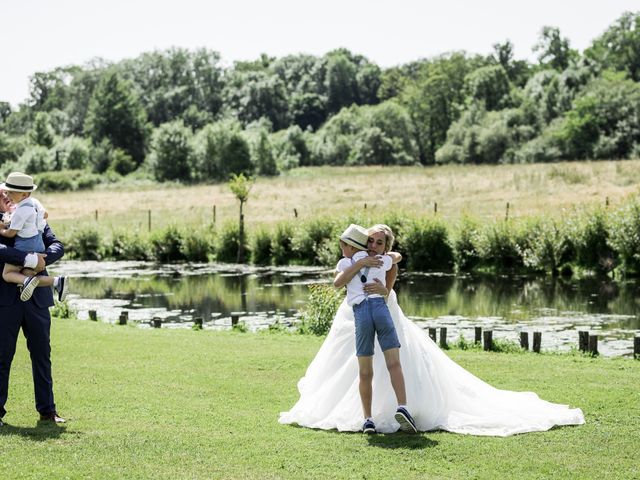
[(51, 417)]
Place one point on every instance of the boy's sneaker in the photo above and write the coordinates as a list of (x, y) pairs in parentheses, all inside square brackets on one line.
[(369, 427), (404, 418), (28, 288), (62, 288)]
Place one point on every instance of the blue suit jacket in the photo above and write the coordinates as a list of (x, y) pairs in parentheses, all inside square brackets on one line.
[(42, 297)]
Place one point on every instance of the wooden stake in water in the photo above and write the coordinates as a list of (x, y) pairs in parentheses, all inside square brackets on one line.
[(443, 337), (537, 341), (593, 345), (432, 333), (524, 340), (583, 340), (478, 334), (124, 317), (488, 340)]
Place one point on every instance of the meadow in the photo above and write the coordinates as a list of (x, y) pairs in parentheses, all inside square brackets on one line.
[(480, 191), (196, 404)]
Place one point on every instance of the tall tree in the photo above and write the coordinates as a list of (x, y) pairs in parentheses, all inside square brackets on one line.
[(554, 51), (619, 46), (115, 113)]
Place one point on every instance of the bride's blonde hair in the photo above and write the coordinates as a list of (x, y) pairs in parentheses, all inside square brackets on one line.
[(389, 238)]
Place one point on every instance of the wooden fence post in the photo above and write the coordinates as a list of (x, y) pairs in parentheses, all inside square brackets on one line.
[(93, 315), (124, 318), (156, 322), (537, 341), (524, 340), (487, 335), (583, 340), (435, 207), (443, 337), (593, 345), (96, 215), (214, 215), (295, 213), (432, 333), (506, 215), (636, 347), (149, 219), (478, 334), (235, 316)]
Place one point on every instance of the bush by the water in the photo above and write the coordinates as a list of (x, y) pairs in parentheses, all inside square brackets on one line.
[(598, 241), (320, 309)]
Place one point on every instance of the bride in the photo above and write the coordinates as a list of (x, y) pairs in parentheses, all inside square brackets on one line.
[(441, 395)]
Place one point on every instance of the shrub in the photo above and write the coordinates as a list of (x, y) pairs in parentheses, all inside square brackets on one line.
[(261, 248), (84, 244), (427, 244), (310, 238), (321, 308), (500, 248), (128, 246), (196, 246), (546, 247), (625, 236), (590, 239), (465, 242), (281, 250), (226, 243), (56, 181), (167, 245)]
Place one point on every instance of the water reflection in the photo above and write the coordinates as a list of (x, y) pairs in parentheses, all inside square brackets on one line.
[(558, 307)]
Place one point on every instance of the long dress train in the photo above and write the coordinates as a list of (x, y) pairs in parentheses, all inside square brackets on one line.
[(440, 393)]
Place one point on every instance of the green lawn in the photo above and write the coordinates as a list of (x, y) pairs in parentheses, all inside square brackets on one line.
[(185, 404)]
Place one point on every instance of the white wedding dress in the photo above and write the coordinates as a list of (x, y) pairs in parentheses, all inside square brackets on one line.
[(441, 395)]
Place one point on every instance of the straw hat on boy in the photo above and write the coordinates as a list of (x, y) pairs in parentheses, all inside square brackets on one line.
[(356, 236), (18, 182)]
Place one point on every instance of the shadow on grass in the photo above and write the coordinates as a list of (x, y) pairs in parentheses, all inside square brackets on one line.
[(398, 440), (41, 432)]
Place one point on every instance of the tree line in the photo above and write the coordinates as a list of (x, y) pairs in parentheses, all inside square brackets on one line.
[(181, 115)]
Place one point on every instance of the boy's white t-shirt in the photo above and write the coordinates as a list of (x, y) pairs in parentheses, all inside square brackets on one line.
[(28, 218), (355, 291)]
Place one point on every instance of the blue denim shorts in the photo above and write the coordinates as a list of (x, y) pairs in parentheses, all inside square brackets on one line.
[(31, 244), (372, 317)]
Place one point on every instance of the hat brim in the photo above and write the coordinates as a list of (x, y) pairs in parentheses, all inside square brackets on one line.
[(14, 188), (353, 243)]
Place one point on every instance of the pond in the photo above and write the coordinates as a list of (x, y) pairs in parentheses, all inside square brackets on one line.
[(506, 304)]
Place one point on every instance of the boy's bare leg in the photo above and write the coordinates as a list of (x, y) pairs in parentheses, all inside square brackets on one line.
[(392, 359), (365, 365)]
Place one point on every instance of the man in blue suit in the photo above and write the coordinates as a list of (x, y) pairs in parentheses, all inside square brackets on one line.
[(32, 316)]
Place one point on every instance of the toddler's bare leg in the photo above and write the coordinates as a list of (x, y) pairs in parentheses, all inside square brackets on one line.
[(11, 274)]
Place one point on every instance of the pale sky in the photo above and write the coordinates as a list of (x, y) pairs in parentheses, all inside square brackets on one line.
[(39, 35)]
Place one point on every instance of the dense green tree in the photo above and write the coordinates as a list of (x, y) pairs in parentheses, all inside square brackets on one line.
[(554, 51), (254, 95), (49, 90), (42, 133), (220, 150), (171, 152), (489, 85), (341, 83), (619, 46), (517, 70), (115, 113)]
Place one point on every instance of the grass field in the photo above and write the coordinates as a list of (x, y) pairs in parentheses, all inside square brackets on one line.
[(183, 404), (480, 191)]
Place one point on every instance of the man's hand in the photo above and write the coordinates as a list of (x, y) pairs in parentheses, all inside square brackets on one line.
[(41, 263)]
